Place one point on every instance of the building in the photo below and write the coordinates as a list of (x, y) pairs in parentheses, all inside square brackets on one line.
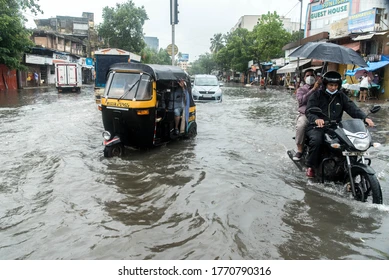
[(78, 27), (152, 42), (57, 40), (250, 21)]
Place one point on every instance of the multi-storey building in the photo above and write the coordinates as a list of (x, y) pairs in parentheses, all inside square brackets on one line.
[(250, 21), (60, 39)]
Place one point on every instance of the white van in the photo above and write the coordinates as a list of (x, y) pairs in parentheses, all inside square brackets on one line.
[(207, 88)]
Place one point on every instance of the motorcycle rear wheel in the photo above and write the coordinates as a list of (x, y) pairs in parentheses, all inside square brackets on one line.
[(367, 187)]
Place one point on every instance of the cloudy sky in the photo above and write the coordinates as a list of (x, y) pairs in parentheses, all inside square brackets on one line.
[(199, 20)]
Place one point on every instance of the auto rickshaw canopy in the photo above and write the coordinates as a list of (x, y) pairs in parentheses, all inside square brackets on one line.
[(158, 72)]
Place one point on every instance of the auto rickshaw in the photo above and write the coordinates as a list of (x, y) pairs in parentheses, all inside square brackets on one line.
[(136, 107)]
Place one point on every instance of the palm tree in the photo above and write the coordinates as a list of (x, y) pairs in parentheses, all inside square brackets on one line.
[(217, 43)]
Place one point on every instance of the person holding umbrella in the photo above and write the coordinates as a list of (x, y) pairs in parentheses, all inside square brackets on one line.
[(331, 99)]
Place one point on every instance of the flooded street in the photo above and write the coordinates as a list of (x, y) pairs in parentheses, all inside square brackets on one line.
[(230, 193)]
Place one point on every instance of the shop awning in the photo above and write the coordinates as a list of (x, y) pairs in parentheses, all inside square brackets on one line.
[(368, 36), (373, 66), (291, 67), (354, 46)]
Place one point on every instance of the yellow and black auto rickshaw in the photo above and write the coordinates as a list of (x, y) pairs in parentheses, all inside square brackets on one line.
[(138, 107)]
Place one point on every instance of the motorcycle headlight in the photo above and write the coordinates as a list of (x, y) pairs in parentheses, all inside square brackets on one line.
[(361, 144), (106, 135)]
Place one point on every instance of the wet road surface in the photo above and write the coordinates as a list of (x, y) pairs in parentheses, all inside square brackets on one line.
[(230, 193)]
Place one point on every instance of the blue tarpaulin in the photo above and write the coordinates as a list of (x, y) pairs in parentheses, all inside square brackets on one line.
[(373, 66)]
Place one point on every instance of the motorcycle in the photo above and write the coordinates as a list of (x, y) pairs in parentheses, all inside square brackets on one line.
[(343, 156)]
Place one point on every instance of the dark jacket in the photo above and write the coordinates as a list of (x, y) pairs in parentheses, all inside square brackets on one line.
[(332, 106)]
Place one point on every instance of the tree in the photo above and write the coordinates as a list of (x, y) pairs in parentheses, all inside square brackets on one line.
[(151, 56), (235, 54), (268, 38), (217, 43), (296, 36), (14, 37), (203, 65), (122, 26)]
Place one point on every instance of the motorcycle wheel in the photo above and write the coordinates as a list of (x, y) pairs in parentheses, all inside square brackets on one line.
[(367, 187), (114, 151)]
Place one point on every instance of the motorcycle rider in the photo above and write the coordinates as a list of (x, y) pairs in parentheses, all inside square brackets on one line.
[(302, 95), (331, 99)]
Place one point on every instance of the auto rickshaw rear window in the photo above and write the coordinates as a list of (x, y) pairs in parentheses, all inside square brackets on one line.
[(129, 86)]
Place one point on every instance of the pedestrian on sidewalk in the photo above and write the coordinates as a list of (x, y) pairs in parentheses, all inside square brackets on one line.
[(36, 78)]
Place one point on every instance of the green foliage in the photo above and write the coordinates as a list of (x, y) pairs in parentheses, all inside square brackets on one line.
[(151, 56), (204, 65), (122, 26), (14, 38), (268, 38), (217, 43), (264, 43), (296, 35), (235, 55)]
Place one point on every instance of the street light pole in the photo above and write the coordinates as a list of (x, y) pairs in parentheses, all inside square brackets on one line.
[(298, 59)]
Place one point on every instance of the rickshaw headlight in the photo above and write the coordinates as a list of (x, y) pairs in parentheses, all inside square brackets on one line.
[(106, 135)]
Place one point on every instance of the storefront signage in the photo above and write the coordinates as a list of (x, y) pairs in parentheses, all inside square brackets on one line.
[(329, 12), (58, 56), (36, 59), (328, 4), (362, 22)]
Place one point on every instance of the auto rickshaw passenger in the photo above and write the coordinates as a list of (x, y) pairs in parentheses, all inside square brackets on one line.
[(177, 103)]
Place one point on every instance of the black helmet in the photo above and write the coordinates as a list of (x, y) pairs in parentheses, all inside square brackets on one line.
[(332, 77)]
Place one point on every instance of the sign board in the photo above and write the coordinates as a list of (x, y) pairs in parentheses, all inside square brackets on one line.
[(169, 49), (184, 57), (36, 59), (362, 22), (321, 14)]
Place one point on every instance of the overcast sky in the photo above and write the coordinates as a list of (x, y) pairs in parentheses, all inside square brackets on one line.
[(199, 20)]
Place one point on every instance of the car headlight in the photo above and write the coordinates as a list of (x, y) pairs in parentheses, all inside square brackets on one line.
[(361, 144), (218, 91), (106, 135)]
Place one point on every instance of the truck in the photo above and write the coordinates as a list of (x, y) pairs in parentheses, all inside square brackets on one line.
[(68, 76), (104, 58)]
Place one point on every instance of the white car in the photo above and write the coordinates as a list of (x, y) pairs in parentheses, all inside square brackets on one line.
[(207, 88)]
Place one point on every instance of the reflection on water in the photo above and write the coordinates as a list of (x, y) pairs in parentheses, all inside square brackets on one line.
[(230, 193)]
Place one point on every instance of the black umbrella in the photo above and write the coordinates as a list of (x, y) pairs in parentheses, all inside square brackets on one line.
[(329, 52)]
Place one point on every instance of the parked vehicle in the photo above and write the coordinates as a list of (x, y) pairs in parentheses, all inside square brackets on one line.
[(207, 88), (104, 58), (343, 157), (134, 107), (68, 76)]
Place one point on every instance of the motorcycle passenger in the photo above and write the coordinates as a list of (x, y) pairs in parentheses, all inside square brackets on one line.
[(331, 99), (311, 84)]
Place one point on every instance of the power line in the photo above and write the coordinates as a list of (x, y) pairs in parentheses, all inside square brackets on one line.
[(292, 8)]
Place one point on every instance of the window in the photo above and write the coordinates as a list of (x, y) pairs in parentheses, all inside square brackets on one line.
[(129, 86)]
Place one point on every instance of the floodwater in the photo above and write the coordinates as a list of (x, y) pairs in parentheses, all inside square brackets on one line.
[(230, 193)]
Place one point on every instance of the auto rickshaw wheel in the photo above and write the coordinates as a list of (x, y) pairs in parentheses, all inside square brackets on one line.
[(192, 131), (114, 151)]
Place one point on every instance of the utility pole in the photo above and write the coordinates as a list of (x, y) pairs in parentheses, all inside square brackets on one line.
[(173, 21), (298, 59)]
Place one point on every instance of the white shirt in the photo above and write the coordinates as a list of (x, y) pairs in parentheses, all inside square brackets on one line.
[(365, 82)]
